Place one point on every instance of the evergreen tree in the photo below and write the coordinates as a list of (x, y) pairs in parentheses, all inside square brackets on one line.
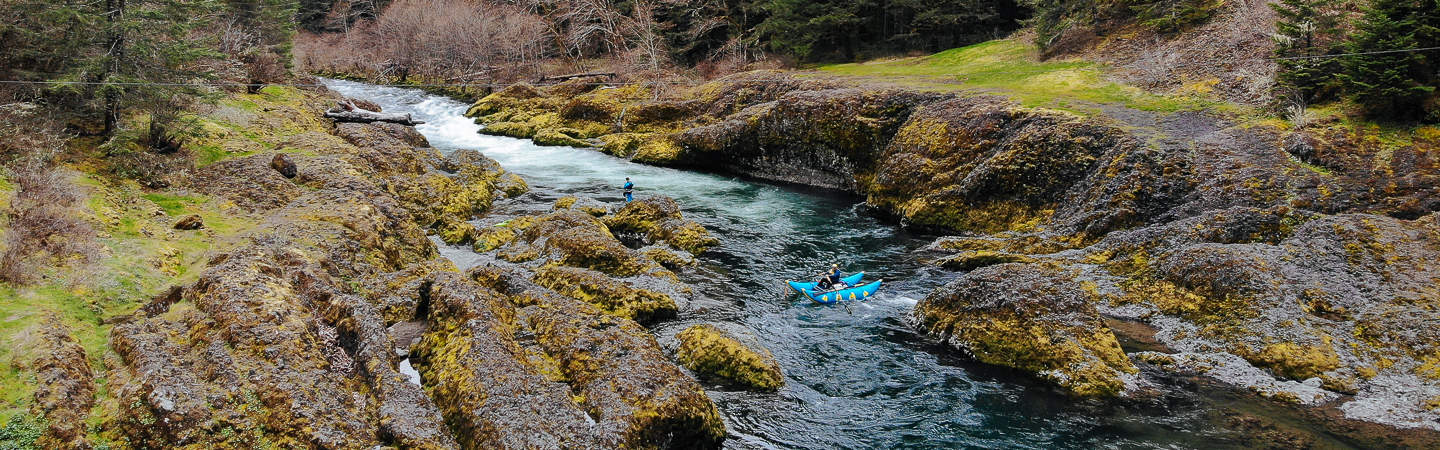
[(1305, 32), (151, 45), (1391, 85), (812, 29)]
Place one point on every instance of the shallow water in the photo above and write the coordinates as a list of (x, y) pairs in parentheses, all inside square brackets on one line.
[(856, 375)]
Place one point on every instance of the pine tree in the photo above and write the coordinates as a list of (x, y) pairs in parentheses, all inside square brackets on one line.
[(1305, 32), (1390, 85), (151, 45)]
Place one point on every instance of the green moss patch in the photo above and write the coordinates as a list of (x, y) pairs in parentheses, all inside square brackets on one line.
[(1013, 68), (715, 354)]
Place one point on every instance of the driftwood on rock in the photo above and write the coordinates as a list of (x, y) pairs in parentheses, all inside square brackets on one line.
[(348, 112), (610, 75)]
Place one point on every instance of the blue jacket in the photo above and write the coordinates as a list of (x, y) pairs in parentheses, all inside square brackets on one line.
[(629, 186)]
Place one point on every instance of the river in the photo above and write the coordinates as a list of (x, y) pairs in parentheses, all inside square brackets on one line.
[(856, 376)]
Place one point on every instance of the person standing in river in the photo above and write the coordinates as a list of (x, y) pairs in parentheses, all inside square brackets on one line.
[(629, 187)]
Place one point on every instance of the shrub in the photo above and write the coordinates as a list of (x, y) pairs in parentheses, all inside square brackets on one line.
[(43, 225)]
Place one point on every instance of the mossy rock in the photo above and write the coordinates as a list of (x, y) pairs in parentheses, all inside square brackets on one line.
[(577, 239), (435, 198), (586, 205), (623, 145), (717, 355), (512, 185), (1031, 317), (974, 259), (521, 130), (491, 238), (668, 258), (456, 233), (659, 150), (659, 219), (559, 137), (1294, 361), (613, 296)]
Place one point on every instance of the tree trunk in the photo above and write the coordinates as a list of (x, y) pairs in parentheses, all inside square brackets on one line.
[(115, 13), (362, 116)]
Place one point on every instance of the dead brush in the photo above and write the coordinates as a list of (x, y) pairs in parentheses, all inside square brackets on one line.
[(43, 224)]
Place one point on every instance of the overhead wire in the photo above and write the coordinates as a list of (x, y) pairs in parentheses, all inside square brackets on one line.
[(492, 85)]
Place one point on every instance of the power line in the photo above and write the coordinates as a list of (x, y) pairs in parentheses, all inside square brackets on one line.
[(493, 85)]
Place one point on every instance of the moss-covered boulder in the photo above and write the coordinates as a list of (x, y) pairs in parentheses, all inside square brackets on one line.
[(249, 182), (66, 385), (437, 199), (398, 295), (623, 145), (617, 369), (586, 205), (490, 393), (610, 295), (985, 164), (718, 355), (659, 219), (509, 97), (576, 239), (560, 137), (521, 130), (1031, 317), (974, 259)]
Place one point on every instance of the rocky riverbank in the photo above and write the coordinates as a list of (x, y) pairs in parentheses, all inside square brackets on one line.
[(1296, 263), (299, 333)]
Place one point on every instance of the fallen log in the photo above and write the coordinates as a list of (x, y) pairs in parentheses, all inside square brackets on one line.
[(363, 116), (610, 75)]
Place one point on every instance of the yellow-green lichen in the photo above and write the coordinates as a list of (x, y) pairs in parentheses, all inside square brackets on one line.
[(610, 295), (1298, 362), (714, 354)]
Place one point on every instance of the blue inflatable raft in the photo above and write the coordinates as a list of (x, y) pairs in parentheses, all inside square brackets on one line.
[(856, 291)]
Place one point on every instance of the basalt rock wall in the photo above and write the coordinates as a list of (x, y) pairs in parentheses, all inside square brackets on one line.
[(1290, 262), (295, 336)]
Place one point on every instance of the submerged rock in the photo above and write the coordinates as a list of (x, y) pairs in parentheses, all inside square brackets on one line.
[(1031, 317), (716, 354)]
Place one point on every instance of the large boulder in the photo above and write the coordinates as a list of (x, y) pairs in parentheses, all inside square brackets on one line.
[(822, 138), (985, 164), (249, 182), (659, 219), (622, 375), (610, 295), (576, 239), (716, 354), (66, 386), (491, 394), (1031, 317)]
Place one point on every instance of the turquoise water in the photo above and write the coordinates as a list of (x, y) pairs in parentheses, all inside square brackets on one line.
[(856, 376)]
